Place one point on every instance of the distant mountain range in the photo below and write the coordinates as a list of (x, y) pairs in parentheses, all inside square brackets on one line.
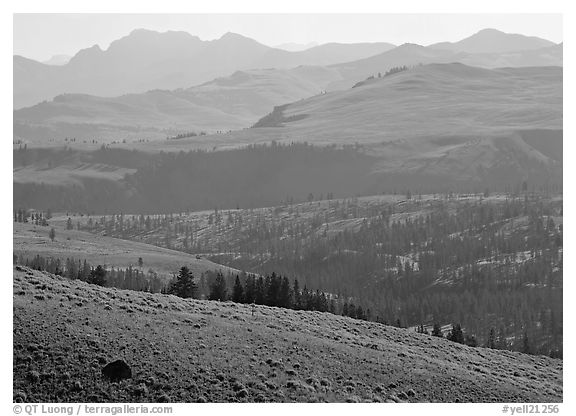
[(146, 60), (87, 103), (494, 41)]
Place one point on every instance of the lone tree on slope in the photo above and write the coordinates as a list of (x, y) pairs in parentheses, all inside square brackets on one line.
[(184, 286)]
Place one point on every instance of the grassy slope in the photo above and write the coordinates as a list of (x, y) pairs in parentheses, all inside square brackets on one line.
[(412, 55), (232, 102), (411, 109), (189, 350), (438, 120), (436, 100), (30, 240)]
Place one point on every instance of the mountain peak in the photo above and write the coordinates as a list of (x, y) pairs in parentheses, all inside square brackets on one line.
[(409, 45), (142, 34), (141, 31), (149, 32), (494, 41), (85, 56), (235, 40), (88, 51), (233, 36), (490, 30)]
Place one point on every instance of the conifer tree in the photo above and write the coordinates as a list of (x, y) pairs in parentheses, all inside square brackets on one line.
[(238, 291), (526, 349), (98, 276), (273, 290), (456, 335), (360, 313), (218, 289), (250, 289), (285, 295), (470, 340), (297, 295), (491, 343), (259, 291), (345, 309), (501, 342), (184, 285), (351, 310), (437, 330)]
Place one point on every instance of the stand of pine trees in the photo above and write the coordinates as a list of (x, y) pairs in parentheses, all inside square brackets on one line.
[(34, 217), (276, 290), (129, 278), (269, 290)]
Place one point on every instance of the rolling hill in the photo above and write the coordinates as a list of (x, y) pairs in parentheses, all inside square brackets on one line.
[(66, 331), (412, 55), (226, 103), (430, 100), (30, 240), (443, 120), (146, 60), (435, 122)]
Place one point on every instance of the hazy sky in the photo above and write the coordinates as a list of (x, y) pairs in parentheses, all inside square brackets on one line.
[(40, 36)]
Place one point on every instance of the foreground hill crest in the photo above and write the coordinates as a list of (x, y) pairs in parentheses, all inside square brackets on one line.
[(180, 350)]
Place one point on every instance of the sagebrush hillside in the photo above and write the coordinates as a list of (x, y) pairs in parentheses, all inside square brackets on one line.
[(180, 350)]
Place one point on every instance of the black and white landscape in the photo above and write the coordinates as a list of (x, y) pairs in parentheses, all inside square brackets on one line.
[(225, 221)]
